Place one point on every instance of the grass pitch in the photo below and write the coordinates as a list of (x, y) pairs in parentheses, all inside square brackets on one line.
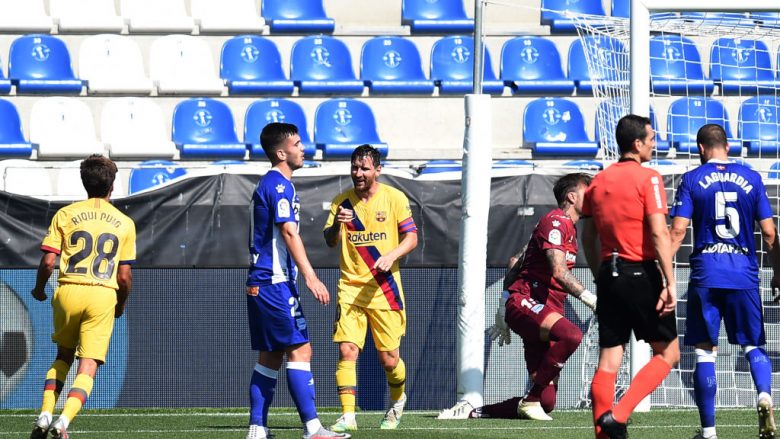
[(284, 423)]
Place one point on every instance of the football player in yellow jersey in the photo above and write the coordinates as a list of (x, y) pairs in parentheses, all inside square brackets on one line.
[(374, 224), (96, 246)]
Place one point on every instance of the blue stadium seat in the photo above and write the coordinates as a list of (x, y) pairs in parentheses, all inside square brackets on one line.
[(153, 173), (687, 115), (661, 145), (759, 126), (774, 171), (439, 166), (511, 164), (675, 67), (559, 23), (341, 125), (203, 128), (660, 162), (766, 19), (440, 16), (715, 18), (584, 165), (742, 67), (621, 8), (12, 142), (251, 64), (555, 127), (322, 64), (265, 111), (452, 67), (532, 66), (606, 48), (393, 65), (297, 16), (618, 111), (41, 64)]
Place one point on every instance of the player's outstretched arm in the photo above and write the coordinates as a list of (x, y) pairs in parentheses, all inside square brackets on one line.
[(677, 233), (292, 239), (407, 244), (556, 259), (124, 279), (772, 243), (45, 269), (662, 241)]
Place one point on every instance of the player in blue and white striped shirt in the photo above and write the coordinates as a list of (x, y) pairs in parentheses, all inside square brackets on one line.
[(724, 201)]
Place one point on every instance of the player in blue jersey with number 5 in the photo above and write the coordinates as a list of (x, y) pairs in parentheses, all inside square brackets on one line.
[(276, 321), (724, 201)]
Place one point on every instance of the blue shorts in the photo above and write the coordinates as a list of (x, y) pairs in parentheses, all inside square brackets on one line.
[(740, 310), (276, 320)]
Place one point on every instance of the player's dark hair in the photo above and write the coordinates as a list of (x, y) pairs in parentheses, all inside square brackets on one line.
[(629, 128), (712, 135), (569, 183), (97, 175), (273, 136), (366, 150)]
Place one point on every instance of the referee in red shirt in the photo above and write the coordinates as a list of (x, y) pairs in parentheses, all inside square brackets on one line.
[(636, 285)]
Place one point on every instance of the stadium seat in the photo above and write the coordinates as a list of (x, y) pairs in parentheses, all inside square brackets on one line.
[(440, 16), (153, 173), (341, 125), (204, 128), (687, 115), (156, 16), (232, 16), (511, 164), (621, 8), (86, 16), (135, 128), (68, 185), (766, 19), (25, 177), (774, 171), (439, 166), (41, 64), (559, 23), (12, 142), (252, 65), (606, 48), (112, 63), (393, 65), (741, 67), (63, 127), (265, 111), (297, 16), (716, 18), (759, 126), (675, 67), (452, 67), (24, 16), (555, 127), (182, 64), (532, 66), (584, 165), (322, 65)]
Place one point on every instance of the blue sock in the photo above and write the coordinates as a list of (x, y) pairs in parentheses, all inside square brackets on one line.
[(261, 394), (705, 386), (760, 368), (301, 385)]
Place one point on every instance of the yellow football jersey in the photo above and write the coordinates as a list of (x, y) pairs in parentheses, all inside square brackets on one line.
[(92, 237), (373, 232)]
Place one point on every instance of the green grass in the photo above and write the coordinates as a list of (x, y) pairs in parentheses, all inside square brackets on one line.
[(284, 423)]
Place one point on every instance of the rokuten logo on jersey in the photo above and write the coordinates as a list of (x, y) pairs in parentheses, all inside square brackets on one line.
[(365, 238)]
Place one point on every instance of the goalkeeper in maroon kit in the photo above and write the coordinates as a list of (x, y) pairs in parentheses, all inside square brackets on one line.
[(532, 303)]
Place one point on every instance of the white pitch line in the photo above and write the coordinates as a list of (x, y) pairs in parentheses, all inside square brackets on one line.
[(214, 414)]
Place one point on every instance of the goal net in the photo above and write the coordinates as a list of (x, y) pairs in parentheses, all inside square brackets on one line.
[(703, 67)]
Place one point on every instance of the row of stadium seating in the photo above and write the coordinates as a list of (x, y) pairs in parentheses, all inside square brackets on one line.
[(204, 128), (145, 16), (182, 64)]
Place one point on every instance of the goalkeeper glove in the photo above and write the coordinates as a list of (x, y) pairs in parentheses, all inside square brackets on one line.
[(500, 330), (588, 298)]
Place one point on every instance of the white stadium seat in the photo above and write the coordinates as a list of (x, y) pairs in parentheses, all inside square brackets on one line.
[(25, 177), (68, 183), (63, 127), (86, 15), (152, 16), (113, 64), (182, 64), (135, 127), (25, 16), (227, 16)]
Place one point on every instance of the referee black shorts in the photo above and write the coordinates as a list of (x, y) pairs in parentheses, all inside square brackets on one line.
[(627, 302)]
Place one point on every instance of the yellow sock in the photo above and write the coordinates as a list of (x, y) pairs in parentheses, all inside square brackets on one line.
[(77, 396), (396, 379), (346, 381), (55, 379)]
